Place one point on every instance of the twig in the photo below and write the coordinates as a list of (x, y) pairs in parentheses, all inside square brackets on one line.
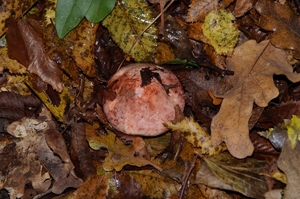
[(185, 178)]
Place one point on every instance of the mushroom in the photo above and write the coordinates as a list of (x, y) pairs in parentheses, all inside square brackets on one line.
[(141, 97)]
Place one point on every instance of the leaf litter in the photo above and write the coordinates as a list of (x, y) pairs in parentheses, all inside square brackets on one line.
[(230, 99)]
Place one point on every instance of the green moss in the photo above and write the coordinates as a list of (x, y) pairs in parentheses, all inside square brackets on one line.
[(221, 31)]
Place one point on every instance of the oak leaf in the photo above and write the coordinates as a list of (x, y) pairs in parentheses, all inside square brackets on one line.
[(199, 9), (254, 66), (283, 21), (119, 153), (288, 162)]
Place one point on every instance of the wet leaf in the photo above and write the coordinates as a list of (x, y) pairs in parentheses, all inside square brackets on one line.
[(126, 23), (252, 82), (288, 162), (14, 9), (12, 65), (35, 58), (283, 21), (98, 10), (68, 14), (14, 106), (199, 9), (119, 153), (245, 176), (82, 41)]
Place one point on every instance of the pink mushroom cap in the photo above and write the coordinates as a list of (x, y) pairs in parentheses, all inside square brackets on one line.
[(141, 97)]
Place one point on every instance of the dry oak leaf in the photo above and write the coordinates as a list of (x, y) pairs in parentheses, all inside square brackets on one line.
[(254, 65), (199, 9), (288, 162), (283, 21)]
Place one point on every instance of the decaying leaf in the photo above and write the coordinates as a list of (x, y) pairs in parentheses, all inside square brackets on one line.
[(81, 40), (94, 187), (246, 176), (254, 66), (27, 168), (288, 162), (126, 23), (12, 65), (34, 154), (283, 21), (242, 6), (59, 108), (155, 185), (196, 135), (32, 53), (12, 8), (119, 153), (199, 9)]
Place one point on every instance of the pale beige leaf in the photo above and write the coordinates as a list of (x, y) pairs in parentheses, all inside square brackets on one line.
[(288, 162), (254, 66)]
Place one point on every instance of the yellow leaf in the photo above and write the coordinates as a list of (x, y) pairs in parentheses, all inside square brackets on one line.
[(293, 129), (196, 135), (126, 22), (221, 32)]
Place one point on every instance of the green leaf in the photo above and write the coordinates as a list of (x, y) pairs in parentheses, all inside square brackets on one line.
[(99, 9), (68, 15), (126, 23)]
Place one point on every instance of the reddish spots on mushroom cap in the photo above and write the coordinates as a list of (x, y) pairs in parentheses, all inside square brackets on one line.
[(142, 110)]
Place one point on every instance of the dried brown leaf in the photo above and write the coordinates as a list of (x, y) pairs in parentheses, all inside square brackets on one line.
[(288, 162), (242, 6), (254, 66), (199, 9), (27, 168), (283, 21)]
